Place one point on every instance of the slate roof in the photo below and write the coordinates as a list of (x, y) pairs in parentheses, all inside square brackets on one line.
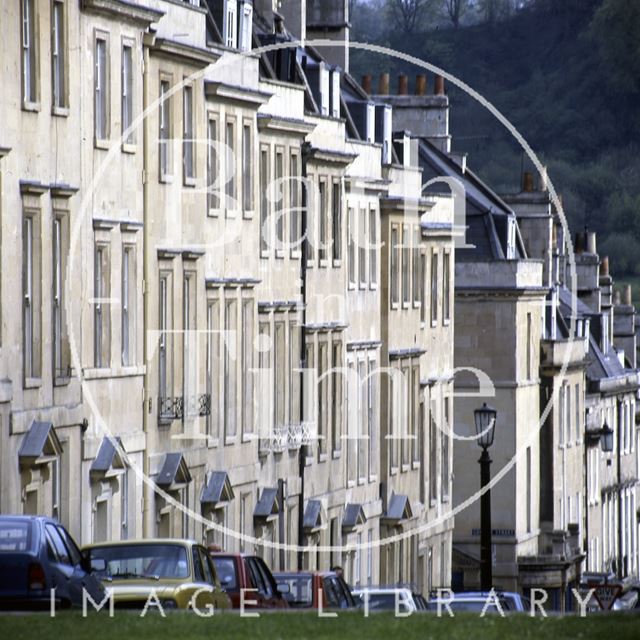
[(398, 509), (40, 440), (217, 488), (487, 215), (174, 470), (312, 518), (353, 516), (267, 505), (107, 456)]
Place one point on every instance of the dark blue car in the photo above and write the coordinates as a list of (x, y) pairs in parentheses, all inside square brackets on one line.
[(38, 555)]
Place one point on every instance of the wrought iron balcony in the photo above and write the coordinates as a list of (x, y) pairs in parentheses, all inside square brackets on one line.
[(197, 406), (170, 408)]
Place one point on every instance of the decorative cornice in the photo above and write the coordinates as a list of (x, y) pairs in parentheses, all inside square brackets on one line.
[(235, 93), (125, 10), (190, 54)]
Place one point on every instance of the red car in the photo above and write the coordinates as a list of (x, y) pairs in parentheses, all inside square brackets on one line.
[(238, 571), (304, 590)]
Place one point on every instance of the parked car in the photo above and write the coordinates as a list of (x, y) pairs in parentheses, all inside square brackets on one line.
[(470, 602), (239, 571), (385, 598), (176, 569), (37, 554), (509, 600), (304, 590)]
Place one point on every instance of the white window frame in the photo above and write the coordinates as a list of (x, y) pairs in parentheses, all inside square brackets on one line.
[(101, 89), (127, 93)]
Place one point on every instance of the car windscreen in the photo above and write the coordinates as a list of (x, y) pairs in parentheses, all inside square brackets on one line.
[(227, 574), (15, 535), (142, 561), (384, 601), (475, 606), (300, 589)]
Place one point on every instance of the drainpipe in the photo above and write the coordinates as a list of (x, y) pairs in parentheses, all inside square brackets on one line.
[(619, 492), (302, 452), (147, 495), (585, 540)]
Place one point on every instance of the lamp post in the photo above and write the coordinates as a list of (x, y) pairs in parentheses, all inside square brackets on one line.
[(485, 421), (604, 437)]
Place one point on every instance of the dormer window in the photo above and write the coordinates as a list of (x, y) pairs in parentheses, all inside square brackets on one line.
[(324, 90), (511, 238), (245, 19), (230, 23), (383, 131), (335, 93)]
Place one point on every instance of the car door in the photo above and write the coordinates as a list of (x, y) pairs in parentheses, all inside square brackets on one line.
[(220, 599), (261, 595), (272, 595), (63, 579), (82, 578), (202, 578)]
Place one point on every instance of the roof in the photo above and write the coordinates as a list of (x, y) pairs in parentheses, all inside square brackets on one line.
[(217, 489), (398, 509), (267, 506), (174, 471), (353, 516), (40, 444), (486, 214), (108, 457), (312, 519)]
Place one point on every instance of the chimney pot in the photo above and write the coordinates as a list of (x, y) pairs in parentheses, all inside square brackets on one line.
[(617, 298), (527, 182), (403, 85), (580, 243), (421, 84), (626, 295), (383, 84), (438, 86), (604, 266), (366, 84), (591, 242)]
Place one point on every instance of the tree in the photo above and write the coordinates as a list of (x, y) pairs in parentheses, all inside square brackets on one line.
[(455, 10), (616, 31), (408, 13)]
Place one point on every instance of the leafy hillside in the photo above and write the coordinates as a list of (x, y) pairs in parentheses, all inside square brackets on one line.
[(567, 75)]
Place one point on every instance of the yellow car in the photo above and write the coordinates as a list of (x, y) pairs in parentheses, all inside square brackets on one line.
[(159, 573)]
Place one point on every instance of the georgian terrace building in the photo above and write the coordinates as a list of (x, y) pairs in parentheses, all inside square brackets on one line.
[(223, 243)]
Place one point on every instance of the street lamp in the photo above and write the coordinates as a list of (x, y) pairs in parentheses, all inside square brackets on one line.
[(485, 419), (606, 438)]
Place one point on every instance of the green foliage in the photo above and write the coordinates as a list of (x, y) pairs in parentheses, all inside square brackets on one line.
[(566, 73), (616, 32)]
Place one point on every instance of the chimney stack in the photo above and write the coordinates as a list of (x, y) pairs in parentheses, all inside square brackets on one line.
[(438, 87), (366, 84), (383, 84), (626, 295), (421, 85), (403, 85), (527, 182), (604, 266)]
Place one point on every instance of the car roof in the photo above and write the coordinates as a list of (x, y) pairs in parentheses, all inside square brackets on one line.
[(301, 574), (20, 516), (142, 541), (381, 589)]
